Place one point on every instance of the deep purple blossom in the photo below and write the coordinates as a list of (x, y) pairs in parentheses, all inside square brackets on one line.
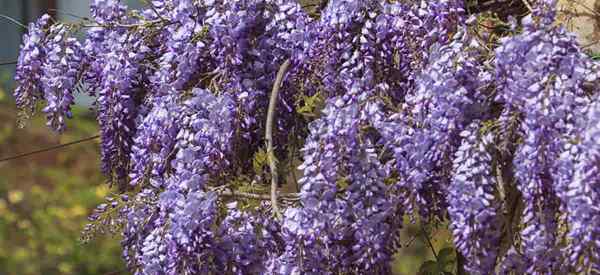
[(323, 222)]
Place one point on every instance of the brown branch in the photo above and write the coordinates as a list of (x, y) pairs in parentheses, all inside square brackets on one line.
[(527, 5), (426, 237), (269, 136), (254, 196), (121, 25)]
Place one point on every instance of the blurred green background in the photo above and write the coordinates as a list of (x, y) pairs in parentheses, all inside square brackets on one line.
[(45, 198)]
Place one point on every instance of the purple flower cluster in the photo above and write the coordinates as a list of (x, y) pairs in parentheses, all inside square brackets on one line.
[(117, 107), (187, 213), (61, 74), (541, 74), (406, 104), (180, 55), (370, 207), (321, 225), (473, 208), (448, 94), (246, 242), (154, 141), (107, 11), (29, 66), (582, 197), (49, 68), (115, 59)]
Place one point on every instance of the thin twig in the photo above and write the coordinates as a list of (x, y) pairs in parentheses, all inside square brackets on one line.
[(410, 241), (137, 25), (269, 136), (230, 193), (14, 21), (500, 181), (528, 5), (156, 12), (429, 243), (49, 149), (264, 197)]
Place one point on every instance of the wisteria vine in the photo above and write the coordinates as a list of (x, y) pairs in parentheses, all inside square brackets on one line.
[(382, 110)]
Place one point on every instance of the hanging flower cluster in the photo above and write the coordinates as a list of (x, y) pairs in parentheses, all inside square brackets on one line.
[(387, 109)]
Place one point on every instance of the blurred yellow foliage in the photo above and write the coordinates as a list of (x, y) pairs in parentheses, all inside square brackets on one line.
[(3, 208), (15, 196), (102, 191), (77, 211), (2, 94)]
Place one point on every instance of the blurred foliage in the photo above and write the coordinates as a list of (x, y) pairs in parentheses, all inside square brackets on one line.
[(444, 264), (45, 199), (416, 257)]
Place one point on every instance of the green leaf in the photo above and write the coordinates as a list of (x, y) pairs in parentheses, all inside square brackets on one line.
[(312, 105), (446, 259), (261, 159), (430, 268)]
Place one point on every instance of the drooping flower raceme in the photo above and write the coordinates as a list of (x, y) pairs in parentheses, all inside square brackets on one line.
[(62, 68), (322, 222), (29, 66), (155, 139), (473, 208), (388, 109), (541, 75), (449, 94), (582, 197)]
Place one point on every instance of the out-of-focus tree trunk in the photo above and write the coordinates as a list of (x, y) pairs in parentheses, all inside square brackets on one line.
[(35, 8), (583, 18), (503, 8)]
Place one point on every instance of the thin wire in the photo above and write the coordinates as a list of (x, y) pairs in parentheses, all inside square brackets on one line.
[(8, 63), (69, 14), (14, 21), (49, 149)]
